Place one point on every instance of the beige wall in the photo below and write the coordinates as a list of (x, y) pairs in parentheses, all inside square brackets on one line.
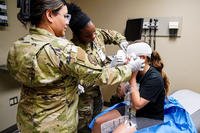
[(181, 56), (8, 87), (10, 33)]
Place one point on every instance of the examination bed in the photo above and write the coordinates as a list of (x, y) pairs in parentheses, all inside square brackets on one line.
[(190, 100)]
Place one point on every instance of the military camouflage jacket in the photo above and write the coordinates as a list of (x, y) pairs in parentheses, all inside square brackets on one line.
[(48, 68), (103, 37)]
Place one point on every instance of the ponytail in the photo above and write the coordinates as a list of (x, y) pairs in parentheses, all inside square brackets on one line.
[(158, 64), (24, 13), (31, 11)]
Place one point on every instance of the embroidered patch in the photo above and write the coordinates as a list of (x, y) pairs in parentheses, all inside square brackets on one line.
[(92, 59), (81, 54)]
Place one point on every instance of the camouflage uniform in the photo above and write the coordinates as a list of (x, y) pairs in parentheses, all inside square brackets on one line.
[(48, 68), (91, 102)]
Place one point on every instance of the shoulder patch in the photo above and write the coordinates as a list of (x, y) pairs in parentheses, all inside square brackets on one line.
[(80, 53), (92, 59)]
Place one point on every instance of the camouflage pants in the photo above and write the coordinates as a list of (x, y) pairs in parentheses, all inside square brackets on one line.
[(90, 104)]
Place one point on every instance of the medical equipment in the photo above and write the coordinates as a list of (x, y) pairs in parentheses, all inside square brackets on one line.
[(109, 126), (145, 36), (150, 28), (154, 36), (128, 108), (129, 117)]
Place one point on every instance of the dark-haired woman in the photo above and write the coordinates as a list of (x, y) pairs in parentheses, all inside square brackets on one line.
[(47, 66), (148, 98), (93, 40)]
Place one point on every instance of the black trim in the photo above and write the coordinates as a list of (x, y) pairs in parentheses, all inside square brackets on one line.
[(11, 129), (2, 2)]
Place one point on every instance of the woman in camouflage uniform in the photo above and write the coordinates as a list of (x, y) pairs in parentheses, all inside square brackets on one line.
[(48, 67), (93, 41)]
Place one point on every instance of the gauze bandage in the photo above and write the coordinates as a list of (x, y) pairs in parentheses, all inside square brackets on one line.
[(140, 48)]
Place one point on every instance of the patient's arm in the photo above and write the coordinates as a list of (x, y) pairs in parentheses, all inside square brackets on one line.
[(138, 102)]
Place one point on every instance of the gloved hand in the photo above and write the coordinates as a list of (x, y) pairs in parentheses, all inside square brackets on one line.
[(123, 45), (119, 59), (136, 64)]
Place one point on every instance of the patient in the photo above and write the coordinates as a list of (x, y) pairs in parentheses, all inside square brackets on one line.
[(148, 99)]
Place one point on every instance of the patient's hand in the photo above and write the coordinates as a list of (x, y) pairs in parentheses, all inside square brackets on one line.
[(125, 128)]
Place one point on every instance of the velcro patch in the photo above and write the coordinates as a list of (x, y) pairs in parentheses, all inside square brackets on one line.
[(81, 54), (74, 49)]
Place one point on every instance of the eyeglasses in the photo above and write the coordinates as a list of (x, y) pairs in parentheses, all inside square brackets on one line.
[(66, 16)]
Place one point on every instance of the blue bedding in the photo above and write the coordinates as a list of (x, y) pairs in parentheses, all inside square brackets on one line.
[(176, 119)]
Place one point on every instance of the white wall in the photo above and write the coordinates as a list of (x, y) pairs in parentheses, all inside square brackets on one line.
[(181, 56)]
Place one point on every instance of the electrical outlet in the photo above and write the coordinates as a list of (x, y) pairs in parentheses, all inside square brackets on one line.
[(13, 101)]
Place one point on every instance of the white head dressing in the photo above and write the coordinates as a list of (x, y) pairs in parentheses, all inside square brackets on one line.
[(140, 48)]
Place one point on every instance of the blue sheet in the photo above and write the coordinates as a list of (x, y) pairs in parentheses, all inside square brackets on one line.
[(176, 119)]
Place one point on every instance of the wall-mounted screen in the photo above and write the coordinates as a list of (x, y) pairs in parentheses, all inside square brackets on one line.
[(133, 29)]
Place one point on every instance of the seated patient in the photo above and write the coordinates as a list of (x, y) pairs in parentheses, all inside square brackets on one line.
[(148, 99)]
